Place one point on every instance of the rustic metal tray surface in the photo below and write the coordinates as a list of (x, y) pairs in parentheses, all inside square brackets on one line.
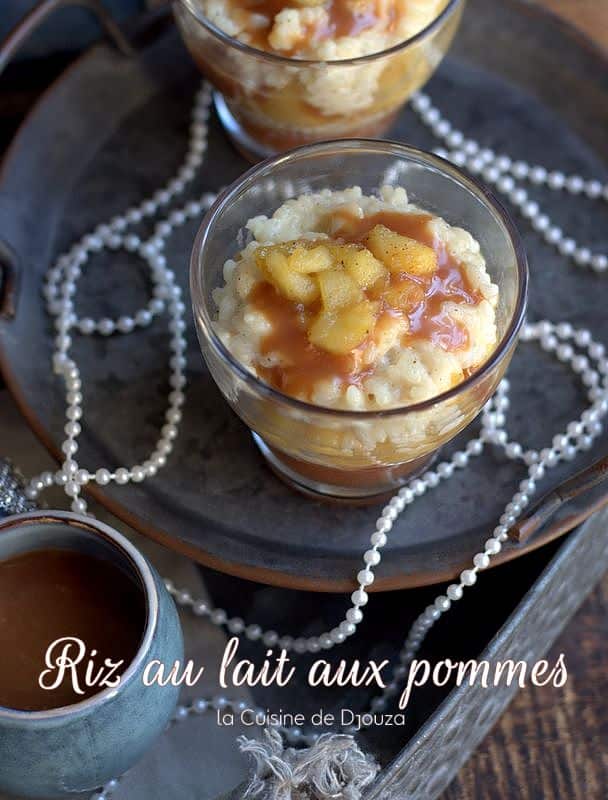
[(113, 129)]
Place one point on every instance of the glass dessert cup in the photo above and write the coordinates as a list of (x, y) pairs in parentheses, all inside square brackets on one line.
[(310, 446), (269, 103)]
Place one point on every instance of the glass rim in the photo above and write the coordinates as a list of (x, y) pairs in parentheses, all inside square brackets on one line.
[(225, 38), (386, 146)]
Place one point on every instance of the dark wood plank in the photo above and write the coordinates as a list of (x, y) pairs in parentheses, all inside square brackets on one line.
[(551, 744)]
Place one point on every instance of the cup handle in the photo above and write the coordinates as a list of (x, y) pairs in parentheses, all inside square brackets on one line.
[(548, 505), (9, 279)]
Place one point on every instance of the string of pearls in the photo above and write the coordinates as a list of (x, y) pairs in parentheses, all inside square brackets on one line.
[(586, 358), (59, 291), (494, 168), (499, 170), (560, 339)]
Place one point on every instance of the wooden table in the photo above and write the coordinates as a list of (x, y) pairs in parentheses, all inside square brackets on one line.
[(589, 16), (552, 744)]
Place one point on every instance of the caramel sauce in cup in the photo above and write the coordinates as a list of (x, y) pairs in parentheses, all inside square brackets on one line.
[(79, 585), (49, 594)]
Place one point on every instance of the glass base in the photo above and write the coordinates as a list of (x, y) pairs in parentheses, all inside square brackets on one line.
[(279, 141), (355, 487), (244, 143)]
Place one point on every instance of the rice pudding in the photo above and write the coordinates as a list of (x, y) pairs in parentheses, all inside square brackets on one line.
[(321, 30), (316, 90), (352, 301)]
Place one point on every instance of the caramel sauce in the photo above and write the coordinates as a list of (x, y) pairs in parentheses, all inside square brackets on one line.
[(351, 18), (50, 594), (304, 365), (344, 18), (427, 320), (349, 228)]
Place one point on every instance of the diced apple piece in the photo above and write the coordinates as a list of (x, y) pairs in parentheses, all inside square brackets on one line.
[(340, 332), (313, 259), (400, 253), (297, 287), (338, 289), (363, 266), (272, 254), (404, 294)]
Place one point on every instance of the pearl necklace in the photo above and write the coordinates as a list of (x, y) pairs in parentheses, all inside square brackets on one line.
[(575, 347), (501, 171), (60, 289)]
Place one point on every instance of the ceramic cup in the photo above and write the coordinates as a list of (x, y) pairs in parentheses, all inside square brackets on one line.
[(77, 748)]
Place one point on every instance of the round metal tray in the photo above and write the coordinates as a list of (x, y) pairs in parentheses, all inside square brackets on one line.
[(112, 129)]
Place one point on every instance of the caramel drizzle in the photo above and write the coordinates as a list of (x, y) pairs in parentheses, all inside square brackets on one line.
[(344, 18), (303, 365)]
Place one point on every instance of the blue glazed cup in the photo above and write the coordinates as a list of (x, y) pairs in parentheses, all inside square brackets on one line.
[(66, 751)]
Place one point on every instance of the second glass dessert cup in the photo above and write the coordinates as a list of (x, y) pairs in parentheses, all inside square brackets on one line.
[(269, 102), (322, 451)]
